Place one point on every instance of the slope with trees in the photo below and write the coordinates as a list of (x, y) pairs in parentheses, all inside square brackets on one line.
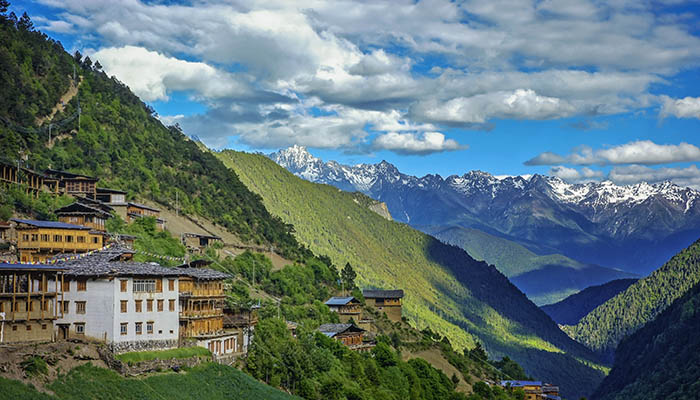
[(570, 310)]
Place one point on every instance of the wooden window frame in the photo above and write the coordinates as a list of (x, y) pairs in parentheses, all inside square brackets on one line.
[(124, 306), (138, 306), (80, 307), (160, 305), (124, 328)]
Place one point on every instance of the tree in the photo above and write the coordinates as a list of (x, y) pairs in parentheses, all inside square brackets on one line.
[(77, 56), (87, 63), (98, 66), (478, 352), (348, 275), (25, 23), (4, 5)]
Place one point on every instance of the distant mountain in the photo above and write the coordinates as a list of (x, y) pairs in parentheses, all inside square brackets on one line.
[(603, 328), (659, 361), (635, 228), (570, 310), (544, 279), (446, 290)]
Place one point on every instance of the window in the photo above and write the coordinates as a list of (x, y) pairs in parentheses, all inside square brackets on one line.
[(95, 240), (160, 305), (149, 305), (160, 332), (171, 284), (139, 328), (138, 305), (14, 327), (35, 237), (66, 306), (123, 328), (29, 327), (82, 285), (66, 286), (44, 238), (149, 327), (123, 284), (25, 237), (124, 304), (159, 285), (80, 307), (144, 285), (57, 238), (81, 239), (80, 329), (69, 239), (43, 327), (171, 305)]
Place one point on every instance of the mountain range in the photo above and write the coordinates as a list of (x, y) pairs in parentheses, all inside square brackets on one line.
[(570, 310), (634, 228)]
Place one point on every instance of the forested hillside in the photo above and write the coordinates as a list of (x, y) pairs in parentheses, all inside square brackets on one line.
[(604, 327), (570, 310), (545, 279), (445, 289), (659, 361), (119, 138)]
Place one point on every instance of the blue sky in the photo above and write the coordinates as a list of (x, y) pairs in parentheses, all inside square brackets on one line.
[(584, 90)]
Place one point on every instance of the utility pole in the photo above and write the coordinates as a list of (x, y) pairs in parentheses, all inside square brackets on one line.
[(50, 134), (177, 203)]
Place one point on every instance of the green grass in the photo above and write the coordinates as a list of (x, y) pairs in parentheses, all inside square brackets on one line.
[(182, 352), (446, 290), (15, 390)]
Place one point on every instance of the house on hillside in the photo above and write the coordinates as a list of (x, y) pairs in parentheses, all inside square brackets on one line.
[(347, 308), (32, 181), (534, 390), (111, 196), (30, 295), (83, 214), (128, 305), (40, 240), (71, 184), (387, 301), (133, 211), (242, 324), (348, 334), (201, 295), (197, 242)]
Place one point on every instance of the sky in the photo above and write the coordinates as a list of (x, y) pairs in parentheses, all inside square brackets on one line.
[(584, 90)]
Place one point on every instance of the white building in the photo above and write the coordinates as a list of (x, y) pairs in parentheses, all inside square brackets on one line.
[(130, 306)]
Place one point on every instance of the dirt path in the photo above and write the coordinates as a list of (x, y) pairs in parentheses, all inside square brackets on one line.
[(61, 105)]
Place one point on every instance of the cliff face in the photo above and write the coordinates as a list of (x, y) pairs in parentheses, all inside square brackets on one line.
[(381, 209)]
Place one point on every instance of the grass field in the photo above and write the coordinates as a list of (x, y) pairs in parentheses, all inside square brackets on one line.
[(183, 352)]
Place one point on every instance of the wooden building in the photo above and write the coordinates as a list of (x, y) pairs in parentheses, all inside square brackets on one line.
[(534, 390), (348, 334), (111, 196), (6, 232), (387, 301), (201, 294), (135, 211), (240, 323), (28, 302), (347, 308), (197, 242), (82, 214), (72, 184), (32, 181), (40, 240)]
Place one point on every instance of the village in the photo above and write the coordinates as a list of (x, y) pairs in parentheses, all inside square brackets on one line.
[(71, 280)]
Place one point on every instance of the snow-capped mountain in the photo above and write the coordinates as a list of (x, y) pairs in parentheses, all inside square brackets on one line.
[(634, 227)]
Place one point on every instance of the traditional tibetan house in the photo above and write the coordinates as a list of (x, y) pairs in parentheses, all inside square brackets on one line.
[(241, 323), (11, 174), (201, 308), (30, 295), (73, 184), (80, 213), (136, 211), (348, 334), (111, 196), (40, 240), (534, 390), (128, 305), (347, 308), (197, 242), (387, 301)]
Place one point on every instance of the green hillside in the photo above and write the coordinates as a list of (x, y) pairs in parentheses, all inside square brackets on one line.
[(570, 310), (659, 361), (446, 290), (208, 381), (119, 139), (604, 327), (545, 279)]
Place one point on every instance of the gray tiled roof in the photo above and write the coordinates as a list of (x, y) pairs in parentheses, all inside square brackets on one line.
[(382, 294), (339, 301), (331, 330), (101, 263), (202, 273)]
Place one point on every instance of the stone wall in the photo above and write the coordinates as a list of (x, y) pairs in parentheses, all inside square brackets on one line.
[(142, 345)]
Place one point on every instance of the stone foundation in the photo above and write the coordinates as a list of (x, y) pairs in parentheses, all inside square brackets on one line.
[(142, 345)]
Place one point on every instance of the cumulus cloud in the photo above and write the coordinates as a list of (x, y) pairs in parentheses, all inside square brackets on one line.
[(518, 104), (639, 152), (412, 143), (576, 175), (688, 107), (683, 176)]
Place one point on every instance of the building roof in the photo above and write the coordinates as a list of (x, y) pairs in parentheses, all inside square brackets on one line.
[(340, 301), (382, 294), (50, 224), (201, 235), (102, 264), (112, 191), (145, 207), (29, 267), (521, 383), (69, 175), (94, 203), (203, 274), (332, 330), (81, 209)]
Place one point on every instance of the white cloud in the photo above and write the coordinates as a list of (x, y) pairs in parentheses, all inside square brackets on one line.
[(518, 104), (575, 175), (152, 75), (412, 143), (688, 176), (638, 152), (688, 107)]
